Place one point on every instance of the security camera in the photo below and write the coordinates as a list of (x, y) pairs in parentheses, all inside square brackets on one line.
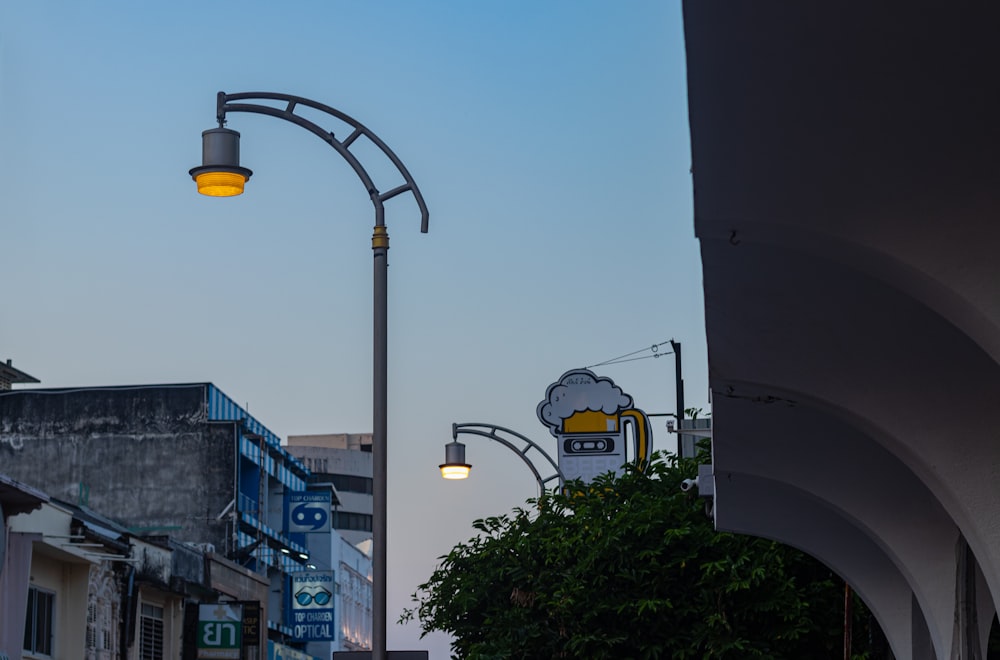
[(688, 484)]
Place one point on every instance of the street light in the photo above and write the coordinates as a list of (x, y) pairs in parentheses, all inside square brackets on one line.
[(455, 467), (220, 175)]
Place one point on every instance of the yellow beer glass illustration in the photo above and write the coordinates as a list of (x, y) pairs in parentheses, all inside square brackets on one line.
[(593, 420)]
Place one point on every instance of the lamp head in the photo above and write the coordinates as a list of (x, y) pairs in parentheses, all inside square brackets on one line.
[(220, 174), (454, 466)]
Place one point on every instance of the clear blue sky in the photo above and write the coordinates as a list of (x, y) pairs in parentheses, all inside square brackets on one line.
[(550, 141)]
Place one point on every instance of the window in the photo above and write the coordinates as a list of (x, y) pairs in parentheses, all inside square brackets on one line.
[(151, 632), (38, 621), (93, 638), (317, 465), (352, 484), (100, 641), (356, 521)]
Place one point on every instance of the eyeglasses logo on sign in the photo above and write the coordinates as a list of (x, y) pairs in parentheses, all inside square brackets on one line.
[(318, 597), (592, 418)]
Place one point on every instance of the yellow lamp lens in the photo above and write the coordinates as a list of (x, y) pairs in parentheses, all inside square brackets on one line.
[(455, 471), (220, 184)]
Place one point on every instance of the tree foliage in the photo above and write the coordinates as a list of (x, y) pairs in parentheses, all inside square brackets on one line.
[(628, 567)]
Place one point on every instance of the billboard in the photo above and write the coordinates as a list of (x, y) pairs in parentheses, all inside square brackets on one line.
[(251, 623), (590, 417), (312, 606), (308, 512), (220, 628), (282, 652)]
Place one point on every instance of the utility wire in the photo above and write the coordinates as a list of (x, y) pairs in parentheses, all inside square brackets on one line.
[(654, 349), (622, 361)]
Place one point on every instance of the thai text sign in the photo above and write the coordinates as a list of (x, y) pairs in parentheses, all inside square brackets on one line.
[(220, 628), (312, 606)]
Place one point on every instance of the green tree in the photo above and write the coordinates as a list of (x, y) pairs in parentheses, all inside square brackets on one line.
[(629, 567)]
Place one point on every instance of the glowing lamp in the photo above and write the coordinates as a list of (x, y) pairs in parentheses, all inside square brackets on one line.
[(218, 183), (220, 174), (455, 471), (454, 466)]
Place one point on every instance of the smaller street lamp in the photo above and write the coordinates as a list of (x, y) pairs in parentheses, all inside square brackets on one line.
[(454, 466)]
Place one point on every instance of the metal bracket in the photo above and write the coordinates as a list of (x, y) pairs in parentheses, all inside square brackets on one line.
[(491, 431), (225, 105)]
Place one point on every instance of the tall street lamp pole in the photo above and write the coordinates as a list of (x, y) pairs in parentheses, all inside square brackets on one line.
[(221, 175)]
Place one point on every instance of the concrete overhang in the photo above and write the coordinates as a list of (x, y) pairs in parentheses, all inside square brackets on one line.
[(60, 534), (322, 486), (846, 197), (856, 134), (16, 497), (10, 375)]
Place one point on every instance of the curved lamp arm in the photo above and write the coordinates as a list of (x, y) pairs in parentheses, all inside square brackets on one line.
[(225, 104), (492, 432)]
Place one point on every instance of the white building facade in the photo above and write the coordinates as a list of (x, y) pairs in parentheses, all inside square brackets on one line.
[(844, 160)]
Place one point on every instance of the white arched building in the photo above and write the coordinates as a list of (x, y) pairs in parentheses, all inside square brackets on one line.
[(846, 172)]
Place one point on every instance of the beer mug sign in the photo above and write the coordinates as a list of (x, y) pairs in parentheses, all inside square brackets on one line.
[(593, 419)]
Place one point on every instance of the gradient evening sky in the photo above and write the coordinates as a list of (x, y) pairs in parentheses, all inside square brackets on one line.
[(550, 140)]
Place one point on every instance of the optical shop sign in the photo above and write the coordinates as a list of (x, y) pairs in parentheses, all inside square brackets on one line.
[(312, 606)]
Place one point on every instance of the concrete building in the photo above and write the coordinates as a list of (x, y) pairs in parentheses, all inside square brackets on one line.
[(844, 159), (352, 569), (76, 584), (179, 461), (94, 591), (344, 460), (184, 464), (342, 463)]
